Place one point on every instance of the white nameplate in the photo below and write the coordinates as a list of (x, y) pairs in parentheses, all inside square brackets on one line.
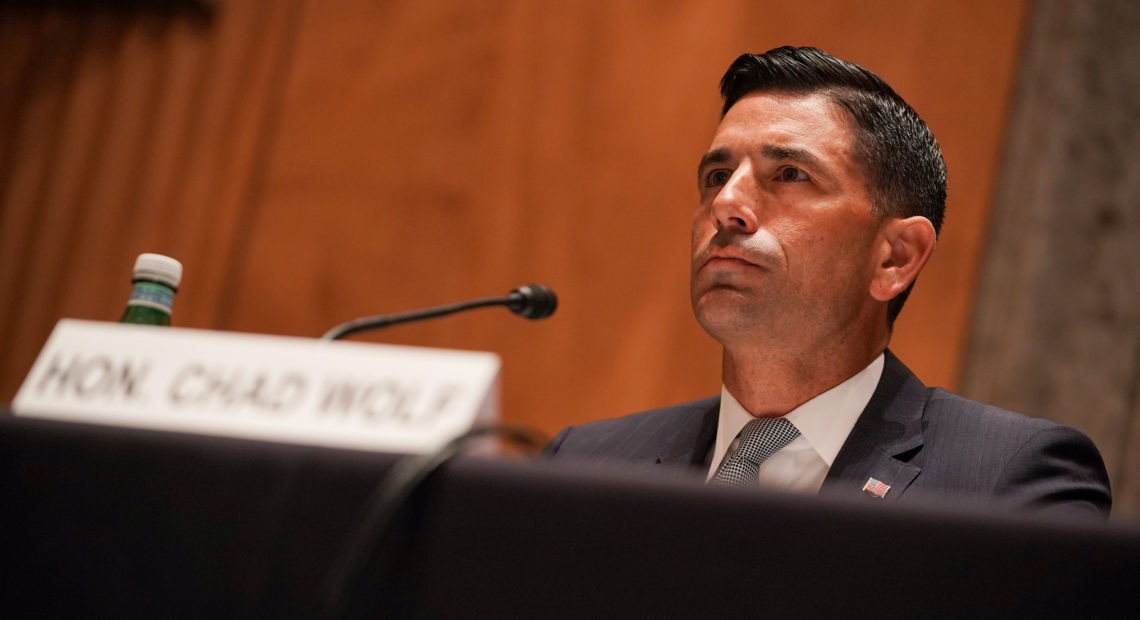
[(297, 390)]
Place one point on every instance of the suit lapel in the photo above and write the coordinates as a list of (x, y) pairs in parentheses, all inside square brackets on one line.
[(888, 433), (690, 443)]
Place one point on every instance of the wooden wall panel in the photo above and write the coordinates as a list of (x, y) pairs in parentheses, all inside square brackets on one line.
[(126, 132), (433, 151), (315, 161), (1056, 330)]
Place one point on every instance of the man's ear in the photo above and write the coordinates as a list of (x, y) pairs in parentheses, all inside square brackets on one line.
[(904, 246)]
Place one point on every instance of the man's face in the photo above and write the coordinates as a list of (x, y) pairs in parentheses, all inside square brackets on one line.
[(782, 238)]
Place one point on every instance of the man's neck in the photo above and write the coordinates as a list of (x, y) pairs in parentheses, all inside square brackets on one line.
[(770, 383)]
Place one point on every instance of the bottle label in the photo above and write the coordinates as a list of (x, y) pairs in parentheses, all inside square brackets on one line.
[(152, 295)]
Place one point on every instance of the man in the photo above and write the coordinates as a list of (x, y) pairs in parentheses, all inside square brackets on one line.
[(821, 198)]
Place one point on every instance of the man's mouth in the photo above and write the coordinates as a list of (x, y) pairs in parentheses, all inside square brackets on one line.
[(726, 257)]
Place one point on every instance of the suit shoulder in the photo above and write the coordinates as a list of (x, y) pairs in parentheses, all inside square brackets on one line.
[(944, 407), (652, 417), (955, 418), (1036, 462), (630, 433)]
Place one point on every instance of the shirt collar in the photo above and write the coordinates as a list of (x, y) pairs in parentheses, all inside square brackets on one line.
[(825, 421)]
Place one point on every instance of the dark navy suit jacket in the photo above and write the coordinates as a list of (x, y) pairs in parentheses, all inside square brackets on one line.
[(920, 441)]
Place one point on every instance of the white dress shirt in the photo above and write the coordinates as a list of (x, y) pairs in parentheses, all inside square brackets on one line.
[(824, 423)]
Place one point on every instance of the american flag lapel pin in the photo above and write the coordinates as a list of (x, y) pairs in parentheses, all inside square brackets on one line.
[(876, 488)]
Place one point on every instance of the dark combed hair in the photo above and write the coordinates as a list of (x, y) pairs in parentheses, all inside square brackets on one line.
[(896, 151)]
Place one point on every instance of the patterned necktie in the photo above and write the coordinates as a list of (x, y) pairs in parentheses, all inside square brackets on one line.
[(760, 439)]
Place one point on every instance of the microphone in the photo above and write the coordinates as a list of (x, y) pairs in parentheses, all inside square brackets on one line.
[(532, 301)]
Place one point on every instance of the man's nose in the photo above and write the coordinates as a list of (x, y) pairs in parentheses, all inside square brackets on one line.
[(734, 207)]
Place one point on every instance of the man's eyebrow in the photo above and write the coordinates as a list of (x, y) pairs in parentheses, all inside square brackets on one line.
[(715, 156), (790, 153), (779, 153), (803, 156)]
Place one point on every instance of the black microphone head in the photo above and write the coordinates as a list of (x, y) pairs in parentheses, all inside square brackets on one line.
[(533, 301)]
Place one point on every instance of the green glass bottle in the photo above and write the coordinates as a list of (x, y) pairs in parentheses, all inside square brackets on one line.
[(155, 280)]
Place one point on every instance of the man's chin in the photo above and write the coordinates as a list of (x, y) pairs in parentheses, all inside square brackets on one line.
[(721, 292), (722, 310)]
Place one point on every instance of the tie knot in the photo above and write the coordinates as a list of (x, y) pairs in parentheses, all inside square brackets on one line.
[(758, 440), (763, 437)]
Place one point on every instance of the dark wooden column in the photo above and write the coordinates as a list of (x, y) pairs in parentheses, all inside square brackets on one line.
[(1056, 327)]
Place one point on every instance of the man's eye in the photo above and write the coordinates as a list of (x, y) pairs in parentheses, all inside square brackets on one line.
[(718, 177), (789, 173)]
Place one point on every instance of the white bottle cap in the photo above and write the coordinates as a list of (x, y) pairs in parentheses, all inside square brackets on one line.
[(158, 267)]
